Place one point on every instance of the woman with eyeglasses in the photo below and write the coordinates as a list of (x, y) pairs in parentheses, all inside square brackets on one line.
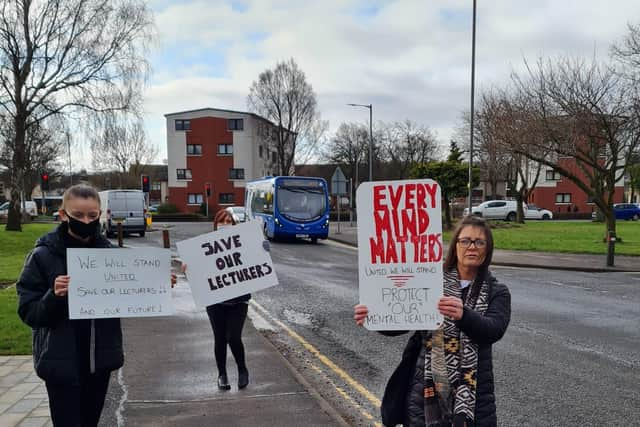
[(445, 377), (74, 357)]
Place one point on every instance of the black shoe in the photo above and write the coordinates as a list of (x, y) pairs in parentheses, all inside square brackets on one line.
[(243, 378), (223, 382)]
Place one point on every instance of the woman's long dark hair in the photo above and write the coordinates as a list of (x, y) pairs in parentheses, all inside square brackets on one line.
[(451, 261)]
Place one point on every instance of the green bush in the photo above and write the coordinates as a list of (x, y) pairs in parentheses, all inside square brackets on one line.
[(167, 208)]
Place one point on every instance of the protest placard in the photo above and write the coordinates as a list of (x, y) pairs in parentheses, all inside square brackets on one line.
[(400, 253), (227, 263), (132, 282)]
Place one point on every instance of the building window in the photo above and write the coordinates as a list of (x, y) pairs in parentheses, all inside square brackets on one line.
[(156, 186), (236, 173), (235, 124), (183, 124), (194, 149), (552, 175), (225, 198), (194, 199), (225, 149), (183, 173), (563, 197), (260, 151)]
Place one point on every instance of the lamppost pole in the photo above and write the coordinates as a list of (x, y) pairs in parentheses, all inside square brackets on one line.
[(473, 80), (370, 107)]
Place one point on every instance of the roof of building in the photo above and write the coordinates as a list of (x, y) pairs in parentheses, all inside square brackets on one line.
[(178, 113), (318, 170)]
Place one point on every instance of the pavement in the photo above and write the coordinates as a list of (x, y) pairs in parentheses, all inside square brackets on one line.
[(277, 395)]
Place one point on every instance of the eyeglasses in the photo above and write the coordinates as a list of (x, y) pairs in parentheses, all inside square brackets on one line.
[(466, 242)]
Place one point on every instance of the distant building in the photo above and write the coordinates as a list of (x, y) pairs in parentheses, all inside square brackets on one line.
[(222, 148), (561, 195)]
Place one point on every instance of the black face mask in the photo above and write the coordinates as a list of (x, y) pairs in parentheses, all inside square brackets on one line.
[(82, 229)]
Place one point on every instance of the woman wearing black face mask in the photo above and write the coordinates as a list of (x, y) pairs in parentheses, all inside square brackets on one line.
[(74, 357)]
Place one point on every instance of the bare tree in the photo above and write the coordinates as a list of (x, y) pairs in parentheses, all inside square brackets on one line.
[(43, 148), (120, 142), (309, 147), (284, 97), (405, 144), (349, 147), (589, 122), (627, 52), (505, 130), (57, 56)]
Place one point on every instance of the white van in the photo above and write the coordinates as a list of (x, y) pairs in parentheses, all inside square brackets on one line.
[(29, 206), (126, 206)]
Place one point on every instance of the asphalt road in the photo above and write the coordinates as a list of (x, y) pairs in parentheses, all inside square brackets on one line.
[(571, 355)]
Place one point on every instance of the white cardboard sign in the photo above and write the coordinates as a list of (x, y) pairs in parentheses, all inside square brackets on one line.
[(132, 282), (227, 263), (400, 253)]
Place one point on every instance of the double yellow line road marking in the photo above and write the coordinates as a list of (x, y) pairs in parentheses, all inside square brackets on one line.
[(355, 385)]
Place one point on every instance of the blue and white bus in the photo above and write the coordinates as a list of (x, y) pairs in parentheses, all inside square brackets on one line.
[(289, 206)]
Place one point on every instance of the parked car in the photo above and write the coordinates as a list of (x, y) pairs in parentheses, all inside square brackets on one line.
[(496, 209), (534, 212), (238, 213), (626, 211), (153, 208), (29, 206), (623, 211)]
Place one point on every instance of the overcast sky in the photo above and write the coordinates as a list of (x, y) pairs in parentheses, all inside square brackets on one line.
[(410, 59)]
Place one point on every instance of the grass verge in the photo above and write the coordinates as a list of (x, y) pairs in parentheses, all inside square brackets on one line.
[(581, 237), (14, 246)]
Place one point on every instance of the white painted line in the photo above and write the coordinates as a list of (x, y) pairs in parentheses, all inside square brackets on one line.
[(123, 399), (259, 322), (339, 244)]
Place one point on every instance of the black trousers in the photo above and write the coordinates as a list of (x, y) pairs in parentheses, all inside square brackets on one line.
[(227, 321), (79, 406)]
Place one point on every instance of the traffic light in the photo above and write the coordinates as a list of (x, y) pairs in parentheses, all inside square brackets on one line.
[(145, 183), (44, 181), (207, 189)]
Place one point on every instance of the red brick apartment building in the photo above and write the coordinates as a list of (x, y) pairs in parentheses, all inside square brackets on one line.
[(561, 195), (220, 148)]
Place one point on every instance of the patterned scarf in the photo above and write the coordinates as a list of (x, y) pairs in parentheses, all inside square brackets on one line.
[(451, 361)]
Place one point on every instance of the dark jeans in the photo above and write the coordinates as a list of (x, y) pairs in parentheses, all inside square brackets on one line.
[(227, 321), (79, 406)]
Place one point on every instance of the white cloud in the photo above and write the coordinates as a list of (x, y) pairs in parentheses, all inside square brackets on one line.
[(410, 60)]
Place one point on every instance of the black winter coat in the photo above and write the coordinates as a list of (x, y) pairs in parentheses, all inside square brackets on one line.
[(484, 330), (55, 354)]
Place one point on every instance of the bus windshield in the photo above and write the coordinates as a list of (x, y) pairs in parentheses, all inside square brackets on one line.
[(301, 203)]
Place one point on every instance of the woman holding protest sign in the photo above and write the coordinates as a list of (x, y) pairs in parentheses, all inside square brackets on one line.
[(74, 357), (445, 377)]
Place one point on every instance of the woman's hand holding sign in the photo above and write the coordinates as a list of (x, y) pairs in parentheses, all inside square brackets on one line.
[(360, 314), (61, 286), (451, 307)]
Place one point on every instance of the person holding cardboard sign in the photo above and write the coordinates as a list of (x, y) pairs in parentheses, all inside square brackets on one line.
[(445, 377), (75, 358)]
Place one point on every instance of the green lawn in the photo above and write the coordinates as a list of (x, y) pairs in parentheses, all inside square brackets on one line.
[(564, 236), (16, 336), (14, 246)]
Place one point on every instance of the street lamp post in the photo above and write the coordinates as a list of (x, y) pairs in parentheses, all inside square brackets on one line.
[(473, 82), (370, 107)]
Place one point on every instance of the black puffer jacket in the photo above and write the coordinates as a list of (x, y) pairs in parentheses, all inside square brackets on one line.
[(55, 353), (404, 395)]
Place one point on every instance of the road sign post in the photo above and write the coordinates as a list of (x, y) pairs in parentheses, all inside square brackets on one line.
[(338, 188)]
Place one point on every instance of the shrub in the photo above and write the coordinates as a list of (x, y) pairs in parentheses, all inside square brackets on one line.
[(167, 208)]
